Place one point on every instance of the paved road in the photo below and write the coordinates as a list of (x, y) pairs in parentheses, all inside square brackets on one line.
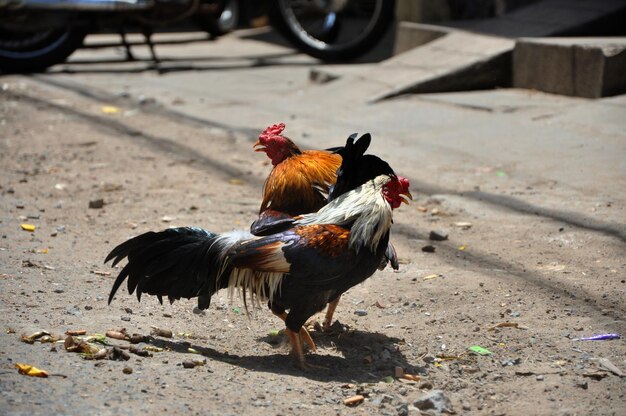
[(540, 177), (443, 141)]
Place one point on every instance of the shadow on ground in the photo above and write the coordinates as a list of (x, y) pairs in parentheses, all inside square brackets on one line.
[(354, 346)]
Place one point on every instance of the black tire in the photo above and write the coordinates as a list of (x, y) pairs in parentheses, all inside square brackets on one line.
[(226, 22), (24, 52), (341, 36)]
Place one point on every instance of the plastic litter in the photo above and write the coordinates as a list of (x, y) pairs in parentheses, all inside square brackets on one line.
[(599, 337), (480, 350)]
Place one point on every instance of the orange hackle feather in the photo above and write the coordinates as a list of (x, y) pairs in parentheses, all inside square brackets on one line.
[(298, 180)]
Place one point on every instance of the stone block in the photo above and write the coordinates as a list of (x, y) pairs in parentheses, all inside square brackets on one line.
[(580, 67)]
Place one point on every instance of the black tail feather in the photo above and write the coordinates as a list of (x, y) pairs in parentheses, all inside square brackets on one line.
[(177, 263)]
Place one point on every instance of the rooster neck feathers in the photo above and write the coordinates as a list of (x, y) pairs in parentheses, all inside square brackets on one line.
[(365, 208), (298, 184)]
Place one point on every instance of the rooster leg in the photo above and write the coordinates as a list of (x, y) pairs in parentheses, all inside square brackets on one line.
[(328, 319), (296, 348), (303, 334), (295, 339)]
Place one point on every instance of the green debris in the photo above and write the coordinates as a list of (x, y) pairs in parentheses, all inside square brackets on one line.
[(480, 350)]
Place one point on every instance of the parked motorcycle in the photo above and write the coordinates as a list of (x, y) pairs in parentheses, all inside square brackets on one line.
[(36, 34), (333, 30)]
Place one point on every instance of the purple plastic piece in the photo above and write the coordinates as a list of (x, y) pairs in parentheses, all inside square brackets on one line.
[(600, 337)]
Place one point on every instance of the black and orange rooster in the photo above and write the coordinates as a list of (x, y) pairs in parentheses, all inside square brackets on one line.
[(298, 269), (302, 182)]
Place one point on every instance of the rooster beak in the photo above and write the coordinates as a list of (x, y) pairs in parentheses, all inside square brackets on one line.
[(404, 197), (258, 147)]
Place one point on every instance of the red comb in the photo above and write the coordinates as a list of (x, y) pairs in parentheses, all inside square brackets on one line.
[(273, 130)]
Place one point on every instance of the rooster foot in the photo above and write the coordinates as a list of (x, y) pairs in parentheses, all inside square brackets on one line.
[(303, 335), (297, 350)]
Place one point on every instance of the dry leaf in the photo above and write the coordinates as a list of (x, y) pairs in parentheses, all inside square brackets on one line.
[(121, 335), (28, 227), (506, 325), (29, 370), (165, 333), (110, 109), (354, 400), (153, 348), (76, 332), (30, 339)]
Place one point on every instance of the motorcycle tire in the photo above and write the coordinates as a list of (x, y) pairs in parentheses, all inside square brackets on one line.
[(326, 42), (226, 22), (23, 52)]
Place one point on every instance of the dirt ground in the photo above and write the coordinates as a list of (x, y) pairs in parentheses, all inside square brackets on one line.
[(548, 281)]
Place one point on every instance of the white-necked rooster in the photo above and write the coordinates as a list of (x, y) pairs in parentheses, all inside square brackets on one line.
[(306, 263)]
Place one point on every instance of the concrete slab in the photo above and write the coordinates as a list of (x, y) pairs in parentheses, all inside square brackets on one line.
[(449, 58), (456, 61), (583, 67)]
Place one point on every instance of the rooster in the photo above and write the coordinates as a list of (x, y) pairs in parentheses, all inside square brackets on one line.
[(298, 269), (300, 181)]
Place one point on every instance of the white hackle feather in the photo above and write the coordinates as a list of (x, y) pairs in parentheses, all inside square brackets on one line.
[(365, 206)]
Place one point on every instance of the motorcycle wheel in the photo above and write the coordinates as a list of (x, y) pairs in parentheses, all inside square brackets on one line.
[(333, 30), (38, 50), (226, 22)]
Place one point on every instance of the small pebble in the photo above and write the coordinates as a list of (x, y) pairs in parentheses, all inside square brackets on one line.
[(438, 235), (72, 310), (360, 312), (96, 203), (428, 249), (127, 370), (125, 318)]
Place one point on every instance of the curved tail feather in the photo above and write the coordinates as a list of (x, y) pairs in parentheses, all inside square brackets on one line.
[(178, 263)]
